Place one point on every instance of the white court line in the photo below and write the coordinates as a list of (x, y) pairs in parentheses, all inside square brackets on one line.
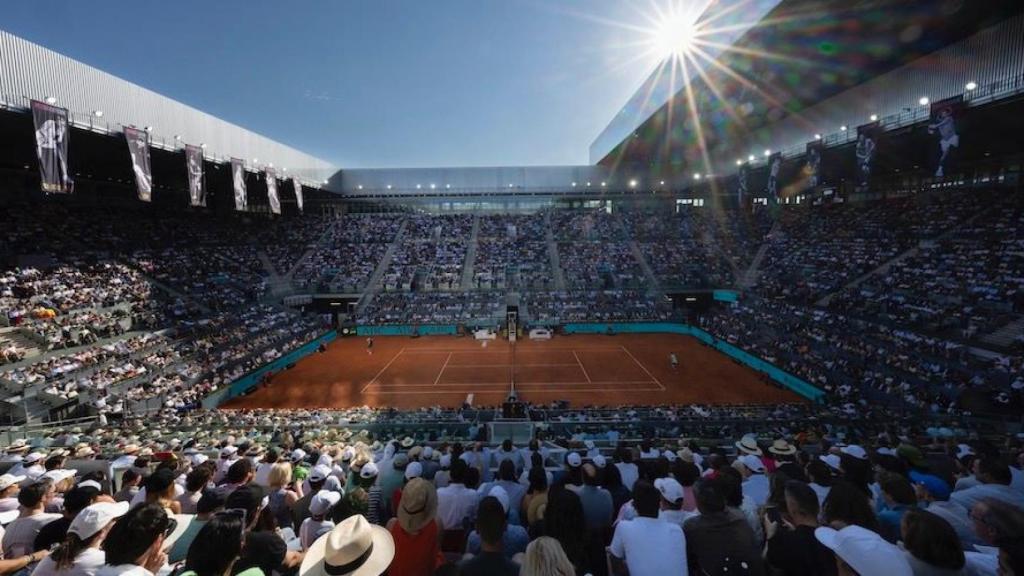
[(585, 375), (509, 365), (481, 384), (500, 391), (530, 351), (447, 360), (374, 379), (642, 367)]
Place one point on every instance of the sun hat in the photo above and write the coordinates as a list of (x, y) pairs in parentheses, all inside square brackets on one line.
[(19, 445), (298, 455), (58, 476), (865, 551), (91, 484), (352, 548), (34, 457), (445, 461), (671, 490), (369, 470), (323, 501), (415, 452), (319, 473), (748, 445), (782, 448), (832, 460), (685, 454), (95, 517), (753, 463), (418, 505), (400, 462), (8, 480), (856, 451), (407, 442), (427, 454), (413, 470)]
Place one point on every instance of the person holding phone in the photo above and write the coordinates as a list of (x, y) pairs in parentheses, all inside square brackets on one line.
[(790, 547)]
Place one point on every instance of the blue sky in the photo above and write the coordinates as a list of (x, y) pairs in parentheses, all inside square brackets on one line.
[(374, 83)]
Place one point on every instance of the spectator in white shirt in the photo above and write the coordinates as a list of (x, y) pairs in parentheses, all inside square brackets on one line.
[(646, 545), (20, 536), (134, 546), (627, 469), (456, 504), (318, 523), (755, 483)]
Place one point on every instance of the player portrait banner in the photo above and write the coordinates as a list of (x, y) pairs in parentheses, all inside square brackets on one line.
[(298, 192), (52, 133), (196, 184), (812, 164), (742, 182), (238, 181), (275, 202), (138, 151), (944, 129), (867, 144), (771, 187)]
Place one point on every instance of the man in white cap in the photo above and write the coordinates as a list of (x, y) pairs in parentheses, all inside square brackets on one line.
[(127, 458), (318, 522), (755, 483), (228, 456), (317, 478), (646, 545), (860, 551), (354, 547), (9, 487), (30, 467), (672, 501)]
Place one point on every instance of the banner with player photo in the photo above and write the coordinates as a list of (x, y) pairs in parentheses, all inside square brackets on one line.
[(742, 184), (812, 164), (275, 202), (238, 181), (138, 150), (196, 184), (945, 127), (52, 133), (867, 144), (771, 187), (298, 192)]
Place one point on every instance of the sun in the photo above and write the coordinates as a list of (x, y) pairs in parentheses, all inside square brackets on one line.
[(675, 35)]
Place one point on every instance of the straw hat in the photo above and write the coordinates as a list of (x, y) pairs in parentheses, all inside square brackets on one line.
[(748, 445), (418, 506), (353, 548), (782, 448)]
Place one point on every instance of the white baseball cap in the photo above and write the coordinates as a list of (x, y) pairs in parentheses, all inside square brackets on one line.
[(95, 517), (34, 457), (428, 453), (198, 458), (502, 496), (865, 551), (298, 455), (91, 484), (369, 470), (445, 461), (855, 451), (832, 460), (229, 451), (413, 470), (599, 461), (8, 480), (573, 460), (319, 473), (753, 463), (323, 501), (670, 489), (58, 476)]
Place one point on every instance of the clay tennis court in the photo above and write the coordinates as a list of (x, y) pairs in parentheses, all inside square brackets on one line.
[(405, 372)]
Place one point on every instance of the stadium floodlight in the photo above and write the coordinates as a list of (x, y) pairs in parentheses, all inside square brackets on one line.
[(662, 183), (433, 186), (255, 160), (923, 101), (360, 186), (51, 100), (750, 158), (696, 175), (325, 182), (447, 186), (817, 136), (632, 183), (844, 127), (767, 152), (588, 184), (389, 186), (418, 187), (972, 85), (739, 162), (874, 117), (285, 169), (97, 113), (510, 185), (573, 184), (604, 184)]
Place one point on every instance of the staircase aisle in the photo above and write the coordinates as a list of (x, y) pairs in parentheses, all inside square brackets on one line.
[(556, 262), (467, 266), (373, 285)]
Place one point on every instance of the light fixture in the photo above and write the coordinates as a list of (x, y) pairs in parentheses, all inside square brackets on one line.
[(51, 100), (923, 101), (255, 160), (739, 162), (573, 184), (844, 127), (750, 158), (433, 186), (696, 175), (972, 85), (767, 152), (817, 136), (632, 183), (447, 186), (360, 187), (662, 183), (509, 185), (418, 186), (97, 113), (604, 183), (389, 186), (588, 184), (271, 165), (874, 117)]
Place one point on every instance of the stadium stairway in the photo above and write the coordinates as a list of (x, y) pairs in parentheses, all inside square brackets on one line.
[(467, 266), (278, 286), (1006, 336), (556, 262), (653, 285), (373, 284), (885, 266), (308, 253), (749, 277), (14, 335)]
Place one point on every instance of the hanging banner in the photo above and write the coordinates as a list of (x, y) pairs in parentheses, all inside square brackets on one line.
[(52, 133), (742, 182), (771, 188), (945, 127), (275, 202), (812, 166), (298, 192), (238, 180), (138, 150), (196, 184), (867, 143)]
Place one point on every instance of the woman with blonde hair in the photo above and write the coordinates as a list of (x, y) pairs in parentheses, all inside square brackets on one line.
[(545, 557), (282, 497)]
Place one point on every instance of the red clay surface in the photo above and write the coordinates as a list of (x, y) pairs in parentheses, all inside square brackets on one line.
[(407, 372)]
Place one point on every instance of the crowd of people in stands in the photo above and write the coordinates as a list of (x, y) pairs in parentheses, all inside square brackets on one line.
[(336, 500)]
